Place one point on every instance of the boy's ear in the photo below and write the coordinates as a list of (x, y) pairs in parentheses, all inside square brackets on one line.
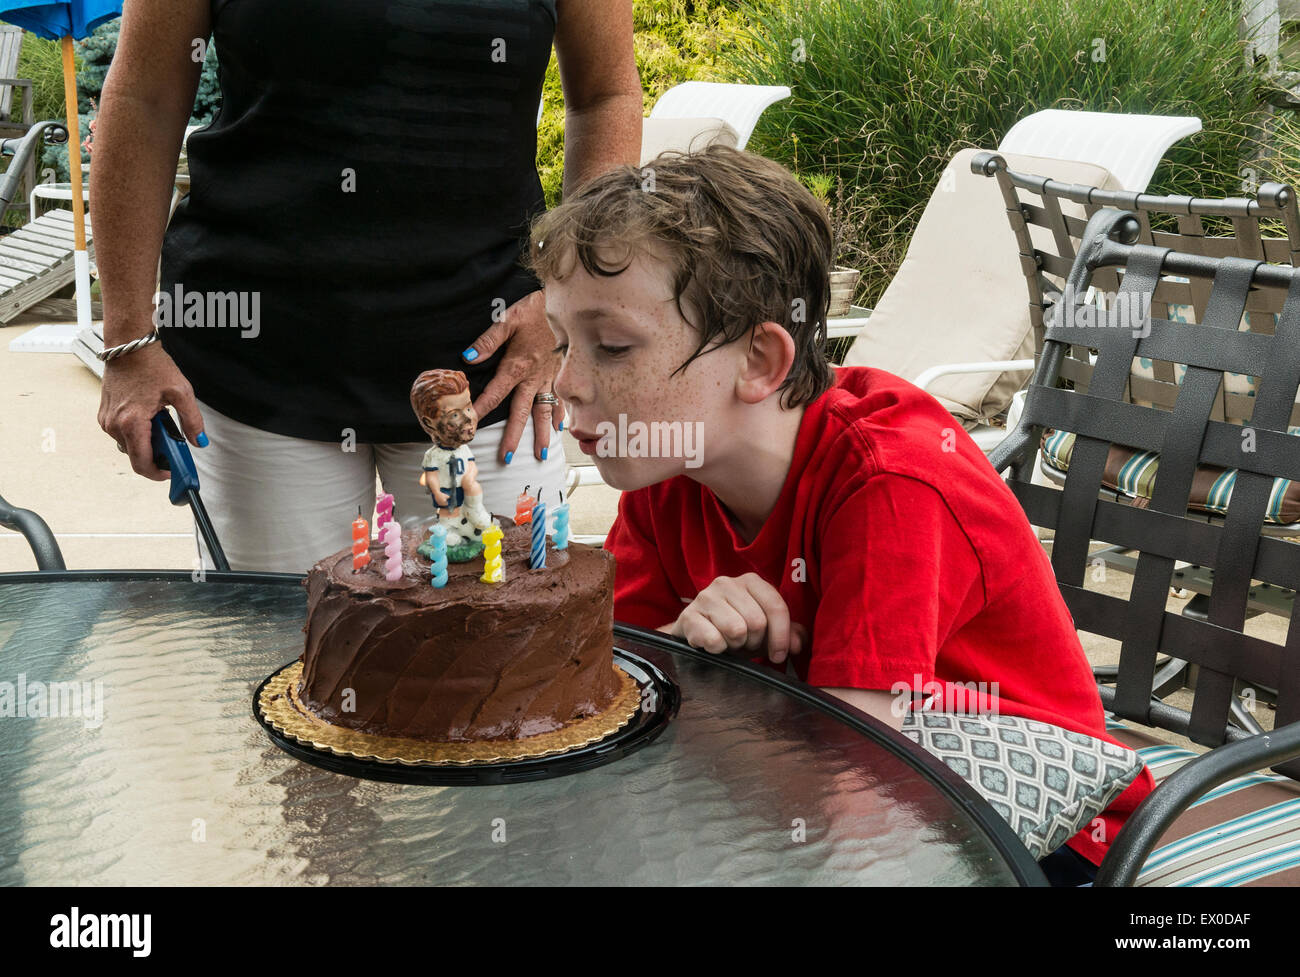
[(766, 364)]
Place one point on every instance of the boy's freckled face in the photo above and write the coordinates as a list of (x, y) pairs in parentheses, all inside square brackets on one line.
[(621, 361)]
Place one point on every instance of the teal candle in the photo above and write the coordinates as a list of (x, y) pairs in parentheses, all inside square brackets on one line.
[(561, 541), (438, 564)]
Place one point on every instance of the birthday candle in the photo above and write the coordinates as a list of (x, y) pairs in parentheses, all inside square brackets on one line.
[(561, 541), (537, 555), (360, 543), (383, 513), (393, 550), (438, 565), (494, 570), (524, 507)]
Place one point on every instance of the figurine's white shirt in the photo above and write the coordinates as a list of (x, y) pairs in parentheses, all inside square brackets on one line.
[(449, 464)]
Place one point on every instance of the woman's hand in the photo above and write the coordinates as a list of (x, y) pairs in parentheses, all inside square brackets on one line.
[(135, 388), (740, 612), (527, 367)]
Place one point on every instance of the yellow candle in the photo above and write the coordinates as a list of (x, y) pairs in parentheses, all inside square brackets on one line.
[(494, 570)]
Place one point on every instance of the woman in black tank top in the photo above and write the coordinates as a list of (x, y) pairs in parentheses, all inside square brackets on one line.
[(358, 209)]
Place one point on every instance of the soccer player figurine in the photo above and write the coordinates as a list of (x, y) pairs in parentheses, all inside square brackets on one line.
[(441, 401)]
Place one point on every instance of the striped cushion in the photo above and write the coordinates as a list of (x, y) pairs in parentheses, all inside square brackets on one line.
[(1131, 472), (1246, 832)]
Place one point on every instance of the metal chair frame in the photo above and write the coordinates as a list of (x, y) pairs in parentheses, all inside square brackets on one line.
[(1045, 273), (1098, 412)]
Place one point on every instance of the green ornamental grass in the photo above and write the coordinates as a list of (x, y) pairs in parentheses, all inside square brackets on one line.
[(886, 91)]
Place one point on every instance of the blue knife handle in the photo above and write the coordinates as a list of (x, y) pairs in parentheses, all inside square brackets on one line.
[(171, 453)]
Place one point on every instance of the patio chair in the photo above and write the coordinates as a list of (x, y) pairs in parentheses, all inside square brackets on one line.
[(1213, 820), (739, 105), (36, 260), (1131, 472), (958, 367), (11, 44), (37, 533), (953, 320), (1129, 146), (1047, 236), (684, 135)]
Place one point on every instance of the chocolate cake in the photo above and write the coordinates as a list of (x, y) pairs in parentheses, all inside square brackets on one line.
[(467, 662)]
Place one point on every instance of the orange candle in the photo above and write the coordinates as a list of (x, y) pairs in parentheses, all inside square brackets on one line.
[(524, 508), (360, 543)]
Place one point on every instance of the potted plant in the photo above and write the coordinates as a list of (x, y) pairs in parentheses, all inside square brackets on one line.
[(828, 188)]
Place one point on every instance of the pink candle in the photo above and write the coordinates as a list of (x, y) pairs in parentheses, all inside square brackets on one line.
[(392, 536), (383, 512)]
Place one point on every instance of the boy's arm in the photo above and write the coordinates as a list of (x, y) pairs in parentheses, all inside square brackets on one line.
[(875, 703), (899, 575), (643, 594)]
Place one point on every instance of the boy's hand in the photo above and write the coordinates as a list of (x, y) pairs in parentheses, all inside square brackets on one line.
[(740, 613)]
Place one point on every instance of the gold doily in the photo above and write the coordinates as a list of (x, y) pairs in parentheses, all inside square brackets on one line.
[(279, 705)]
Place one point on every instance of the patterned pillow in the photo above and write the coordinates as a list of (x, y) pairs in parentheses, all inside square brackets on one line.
[(1047, 782)]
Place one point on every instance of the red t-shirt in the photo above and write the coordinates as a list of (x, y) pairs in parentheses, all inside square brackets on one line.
[(900, 550)]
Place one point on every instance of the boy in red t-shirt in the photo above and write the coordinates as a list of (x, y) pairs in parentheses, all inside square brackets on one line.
[(841, 517)]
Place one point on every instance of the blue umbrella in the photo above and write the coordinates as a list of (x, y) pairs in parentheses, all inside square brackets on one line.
[(66, 21), (55, 20)]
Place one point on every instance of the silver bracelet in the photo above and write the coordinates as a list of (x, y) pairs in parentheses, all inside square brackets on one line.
[(131, 347)]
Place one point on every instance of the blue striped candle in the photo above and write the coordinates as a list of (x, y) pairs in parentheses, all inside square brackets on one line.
[(537, 555)]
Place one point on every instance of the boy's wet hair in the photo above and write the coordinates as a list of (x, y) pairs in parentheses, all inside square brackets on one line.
[(744, 240)]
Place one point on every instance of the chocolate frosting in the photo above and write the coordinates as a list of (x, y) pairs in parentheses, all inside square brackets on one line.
[(468, 661)]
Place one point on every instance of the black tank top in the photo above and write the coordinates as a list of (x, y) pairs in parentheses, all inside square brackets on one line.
[(358, 209)]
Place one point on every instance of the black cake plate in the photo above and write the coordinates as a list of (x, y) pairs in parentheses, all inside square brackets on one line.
[(659, 706)]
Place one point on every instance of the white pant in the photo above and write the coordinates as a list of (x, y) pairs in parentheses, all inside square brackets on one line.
[(280, 504)]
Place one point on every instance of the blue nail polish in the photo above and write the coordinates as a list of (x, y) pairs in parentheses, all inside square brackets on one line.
[(202, 440), (561, 425), (543, 454), (509, 455), (470, 354)]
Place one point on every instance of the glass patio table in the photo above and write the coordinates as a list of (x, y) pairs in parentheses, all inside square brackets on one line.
[(165, 777)]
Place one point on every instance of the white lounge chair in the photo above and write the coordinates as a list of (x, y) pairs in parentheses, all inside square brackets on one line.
[(738, 105), (1129, 146)]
